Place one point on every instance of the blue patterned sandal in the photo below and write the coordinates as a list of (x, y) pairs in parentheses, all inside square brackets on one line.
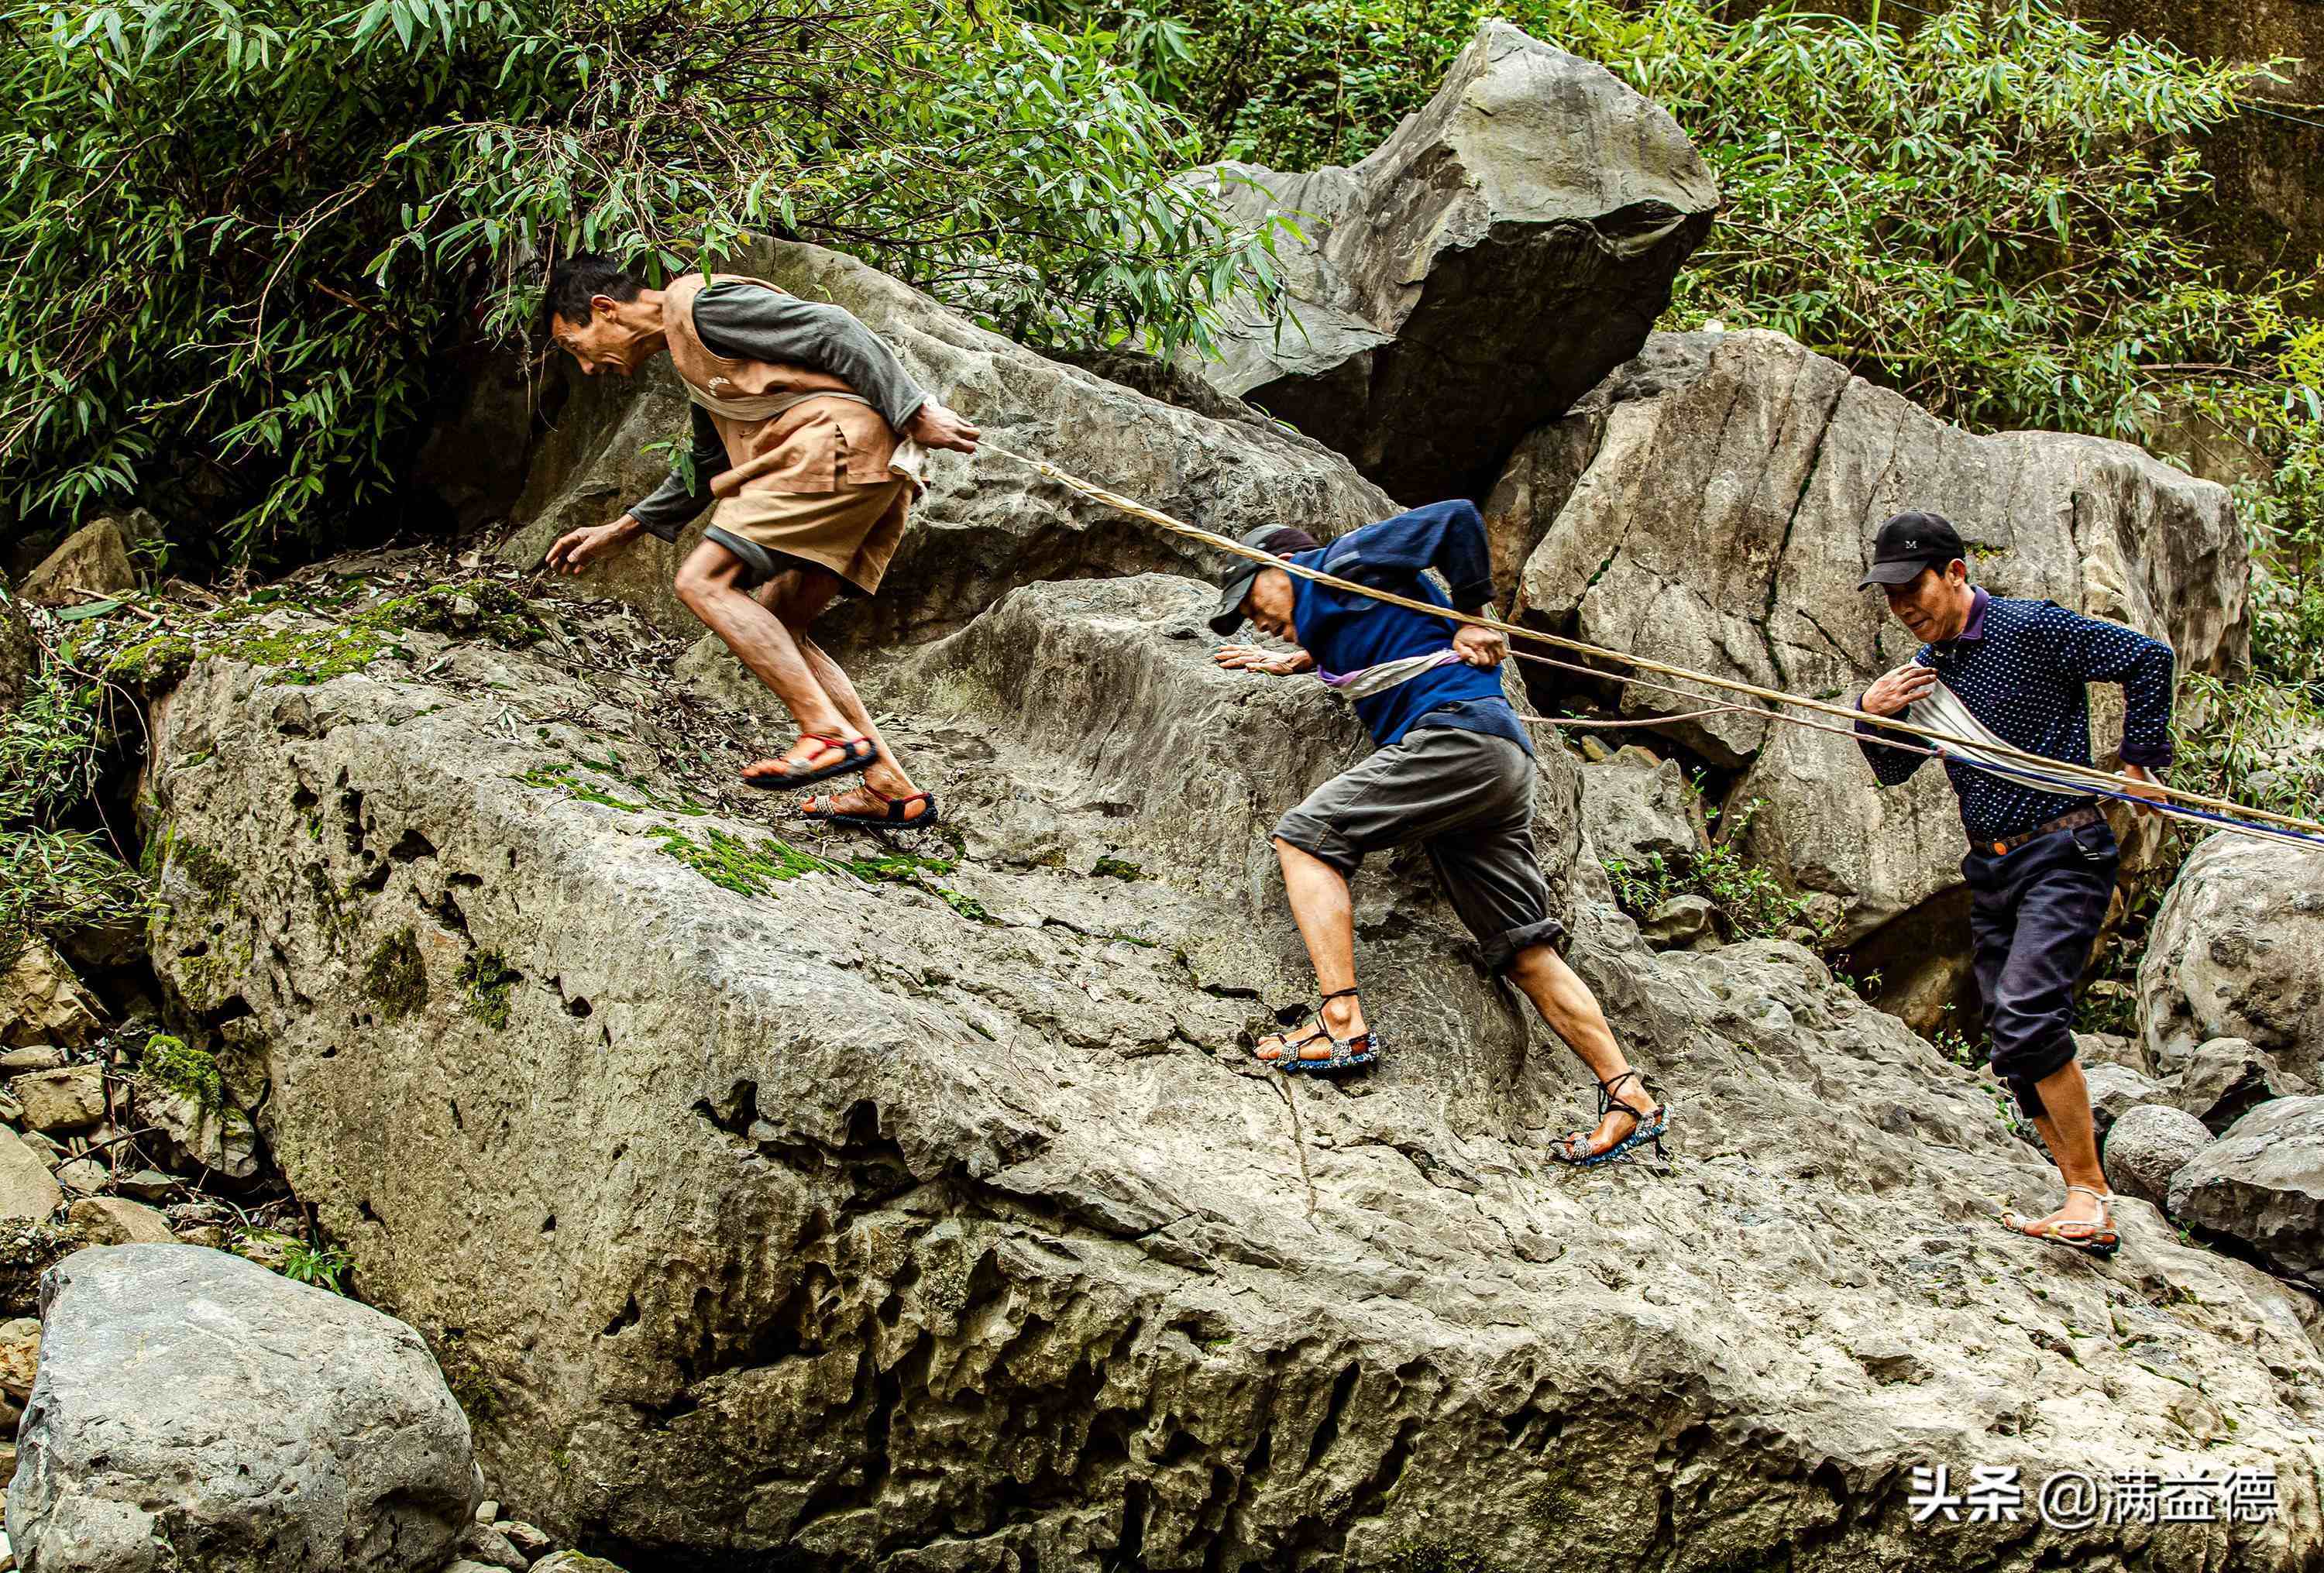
[(1574, 1147), (1347, 1054)]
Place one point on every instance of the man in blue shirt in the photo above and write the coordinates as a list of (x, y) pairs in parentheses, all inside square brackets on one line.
[(1454, 771), (2041, 865)]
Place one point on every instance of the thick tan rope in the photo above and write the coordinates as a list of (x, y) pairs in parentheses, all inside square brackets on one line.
[(2062, 769)]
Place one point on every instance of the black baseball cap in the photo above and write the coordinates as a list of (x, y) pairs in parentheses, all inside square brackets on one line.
[(1276, 541), (1909, 543)]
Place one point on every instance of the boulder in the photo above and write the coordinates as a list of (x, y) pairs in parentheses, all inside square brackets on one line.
[(1637, 807), (2237, 950), (2115, 1090), (481, 1542), (28, 1189), (19, 1357), (220, 1139), (67, 1099), (2147, 1146), (93, 562), (1680, 923), (917, 1204), (189, 1397), (1723, 517), (41, 1001), (2226, 1078), (108, 1220), (2113, 1049), (988, 523), (1503, 250), (2262, 1183)]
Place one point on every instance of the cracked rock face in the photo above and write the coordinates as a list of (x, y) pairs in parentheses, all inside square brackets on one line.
[(2237, 951), (1504, 249), (929, 1214), (987, 522), (191, 1403), (1721, 520)]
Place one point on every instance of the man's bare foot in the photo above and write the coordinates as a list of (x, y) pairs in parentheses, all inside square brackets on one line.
[(1615, 1124), (869, 802), (2080, 1208), (1623, 1111), (808, 755), (2085, 1223), (1343, 1019)]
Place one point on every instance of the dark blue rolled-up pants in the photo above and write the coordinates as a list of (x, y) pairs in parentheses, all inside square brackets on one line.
[(2033, 915)]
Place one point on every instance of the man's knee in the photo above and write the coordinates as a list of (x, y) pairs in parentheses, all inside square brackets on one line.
[(697, 585)]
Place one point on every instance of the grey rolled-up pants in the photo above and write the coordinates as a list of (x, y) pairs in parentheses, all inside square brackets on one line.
[(1467, 796)]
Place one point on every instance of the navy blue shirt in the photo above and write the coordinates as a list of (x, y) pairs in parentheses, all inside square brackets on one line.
[(2023, 668), (1347, 633)]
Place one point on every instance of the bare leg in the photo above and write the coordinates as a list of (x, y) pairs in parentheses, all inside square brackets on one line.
[(2071, 1136), (798, 598), (707, 584), (1571, 1011), (1326, 915)]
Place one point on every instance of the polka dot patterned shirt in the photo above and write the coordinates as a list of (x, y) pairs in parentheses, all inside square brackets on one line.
[(2023, 668)]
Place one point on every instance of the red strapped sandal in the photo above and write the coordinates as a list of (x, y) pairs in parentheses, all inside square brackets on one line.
[(855, 754)]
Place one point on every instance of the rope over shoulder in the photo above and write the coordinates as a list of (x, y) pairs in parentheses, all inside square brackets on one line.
[(2019, 763)]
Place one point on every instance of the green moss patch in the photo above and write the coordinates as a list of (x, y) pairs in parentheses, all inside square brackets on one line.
[(1110, 867), (487, 978), (733, 864), (170, 1064), (395, 979), (350, 642)]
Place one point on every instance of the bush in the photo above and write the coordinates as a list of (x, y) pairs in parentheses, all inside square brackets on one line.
[(56, 874), (237, 239), (1752, 902)]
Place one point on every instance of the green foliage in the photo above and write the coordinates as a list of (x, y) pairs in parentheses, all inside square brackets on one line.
[(1752, 903), (1987, 211), (55, 874), (235, 238), (324, 1266), (173, 1065), (48, 747)]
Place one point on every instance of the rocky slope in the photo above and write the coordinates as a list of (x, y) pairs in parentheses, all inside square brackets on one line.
[(918, 1208)]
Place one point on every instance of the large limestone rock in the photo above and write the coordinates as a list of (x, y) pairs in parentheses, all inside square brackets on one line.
[(930, 1215), (94, 561), (1637, 808), (2237, 951), (2263, 1183), (1504, 249), (1722, 522), (988, 523), (189, 1399)]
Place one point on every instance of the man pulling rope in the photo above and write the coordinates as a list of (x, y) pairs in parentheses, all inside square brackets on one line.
[(1454, 772), (2042, 863)]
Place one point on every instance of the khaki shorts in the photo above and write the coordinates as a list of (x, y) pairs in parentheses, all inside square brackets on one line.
[(854, 531)]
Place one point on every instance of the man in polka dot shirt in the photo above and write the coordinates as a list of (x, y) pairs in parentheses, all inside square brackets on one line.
[(2041, 865)]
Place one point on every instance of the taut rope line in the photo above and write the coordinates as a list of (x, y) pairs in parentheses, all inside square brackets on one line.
[(2099, 782)]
